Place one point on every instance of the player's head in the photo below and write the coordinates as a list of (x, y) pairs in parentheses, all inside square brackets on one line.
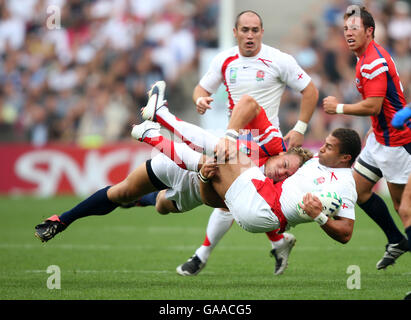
[(287, 163), (340, 149), (359, 28), (248, 31)]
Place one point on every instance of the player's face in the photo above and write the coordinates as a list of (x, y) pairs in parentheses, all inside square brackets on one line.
[(356, 36), (249, 34), (329, 154), (282, 166)]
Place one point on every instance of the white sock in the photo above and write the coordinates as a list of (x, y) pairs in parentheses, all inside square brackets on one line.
[(277, 244), (180, 153), (187, 131), (218, 224)]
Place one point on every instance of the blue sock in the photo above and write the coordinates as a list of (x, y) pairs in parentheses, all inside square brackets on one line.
[(148, 199), (378, 211), (408, 232), (96, 204)]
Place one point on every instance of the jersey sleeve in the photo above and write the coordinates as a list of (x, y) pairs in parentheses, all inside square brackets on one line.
[(374, 78), (292, 74), (349, 198), (213, 78)]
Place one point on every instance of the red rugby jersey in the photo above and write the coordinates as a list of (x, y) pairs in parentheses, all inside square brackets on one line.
[(377, 76)]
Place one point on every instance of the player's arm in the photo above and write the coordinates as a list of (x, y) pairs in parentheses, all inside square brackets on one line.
[(202, 99), (370, 106), (309, 99), (339, 228), (208, 194)]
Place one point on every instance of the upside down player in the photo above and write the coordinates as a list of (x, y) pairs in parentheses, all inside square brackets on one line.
[(332, 167), (262, 142), (260, 205), (387, 152)]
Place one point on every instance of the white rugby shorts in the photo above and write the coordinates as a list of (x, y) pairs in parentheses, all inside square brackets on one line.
[(183, 186), (376, 161), (247, 206)]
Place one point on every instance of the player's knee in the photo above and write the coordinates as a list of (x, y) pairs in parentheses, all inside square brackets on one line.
[(163, 205), (250, 102)]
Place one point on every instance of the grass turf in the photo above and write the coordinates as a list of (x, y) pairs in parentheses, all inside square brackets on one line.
[(133, 253)]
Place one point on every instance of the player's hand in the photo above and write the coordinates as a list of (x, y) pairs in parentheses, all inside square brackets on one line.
[(294, 139), (311, 205), (330, 104), (225, 150), (203, 103), (209, 169)]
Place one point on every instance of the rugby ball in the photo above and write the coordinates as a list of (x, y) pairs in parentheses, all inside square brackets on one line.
[(330, 200)]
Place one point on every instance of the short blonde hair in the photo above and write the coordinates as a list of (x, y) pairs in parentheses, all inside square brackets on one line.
[(304, 154)]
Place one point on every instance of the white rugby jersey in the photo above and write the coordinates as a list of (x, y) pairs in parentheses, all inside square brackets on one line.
[(264, 77), (313, 176)]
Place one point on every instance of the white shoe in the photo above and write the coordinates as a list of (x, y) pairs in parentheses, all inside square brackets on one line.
[(281, 254), (155, 101), (139, 131)]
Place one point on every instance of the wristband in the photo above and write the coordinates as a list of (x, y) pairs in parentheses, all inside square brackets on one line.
[(198, 100), (340, 108), (300, 127), (321, 219), (202, 178), (231, 134)]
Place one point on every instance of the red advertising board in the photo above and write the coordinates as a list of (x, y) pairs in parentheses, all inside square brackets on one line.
[(66, 169)]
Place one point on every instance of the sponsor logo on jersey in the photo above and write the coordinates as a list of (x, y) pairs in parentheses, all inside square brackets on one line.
[(260, 75), (233, 75)]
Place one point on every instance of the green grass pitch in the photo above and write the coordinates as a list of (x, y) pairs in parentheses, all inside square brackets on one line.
[(132, 254)]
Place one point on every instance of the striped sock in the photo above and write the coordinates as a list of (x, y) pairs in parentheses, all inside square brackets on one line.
[(180, 153), (195, 137)]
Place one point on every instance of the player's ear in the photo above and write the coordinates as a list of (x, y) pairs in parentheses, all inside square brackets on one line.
[(346, 158)]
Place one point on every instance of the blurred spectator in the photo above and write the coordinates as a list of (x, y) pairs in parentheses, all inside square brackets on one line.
[(402, 58), (399, 26), (12, 30)]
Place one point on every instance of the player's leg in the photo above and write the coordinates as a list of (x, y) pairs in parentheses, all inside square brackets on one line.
[(157, 110), (374, 206), (101, 202), (219, 223), (164, 205), (405, 210), (181, 154), (397, 194), (368, 170), (194, 136)]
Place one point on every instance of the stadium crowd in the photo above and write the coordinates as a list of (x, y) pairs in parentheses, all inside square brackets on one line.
[(78, 70)]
